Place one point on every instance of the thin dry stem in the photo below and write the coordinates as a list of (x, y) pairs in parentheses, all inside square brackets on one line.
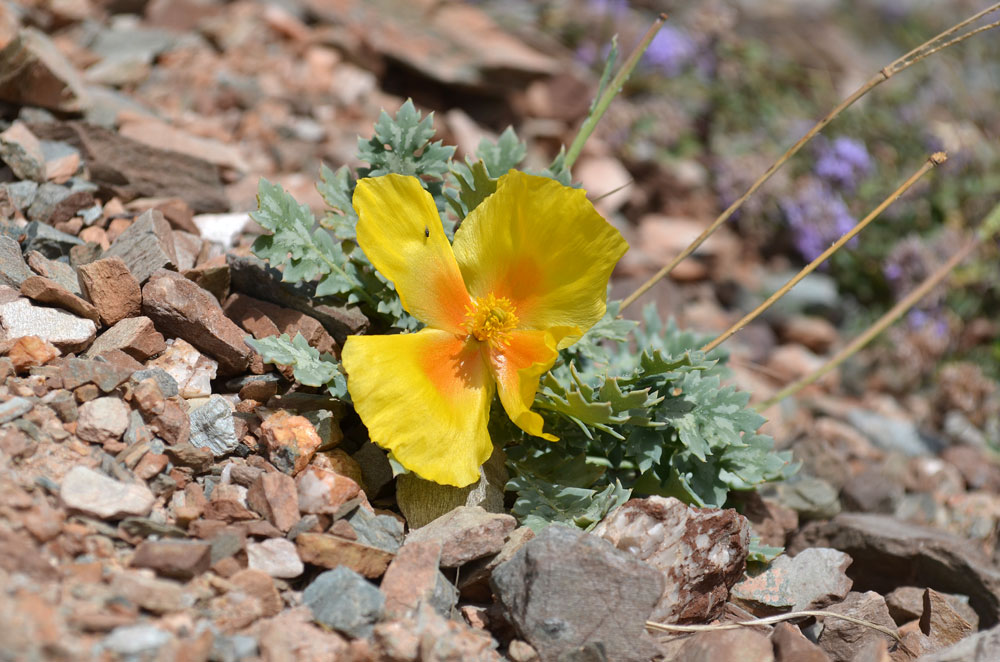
[(922, 51), (935, 159), (989, 228), (875, 329), (770, 620)]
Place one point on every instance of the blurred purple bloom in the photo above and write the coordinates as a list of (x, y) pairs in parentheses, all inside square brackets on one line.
[(670, 51), (817, 216), (843, 162), (613, 7)]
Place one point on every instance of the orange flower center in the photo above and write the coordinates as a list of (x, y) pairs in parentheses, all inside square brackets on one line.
[(491, 319)]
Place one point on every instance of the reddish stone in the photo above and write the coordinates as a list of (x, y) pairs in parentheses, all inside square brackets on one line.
[(150, 465), (291, 441), (181, 309), (112, 288), (411, 578), (323, 491), (329, 551), (180, 559), (274, 496), (31, 351), (44, 290), (263, 319), (136, 336), (259, 585)]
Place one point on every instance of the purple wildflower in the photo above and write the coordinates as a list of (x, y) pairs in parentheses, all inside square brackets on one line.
[(614, 8), (843, 162), (670, 51), (817, 216)]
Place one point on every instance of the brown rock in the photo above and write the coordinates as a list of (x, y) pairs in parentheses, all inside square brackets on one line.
[(260, 586), (130, 169), (411, 578), (263, 319), (979, 471), (212, 276), (180, 559), (700, 551), (199, 460), (112, 288), (177, 212), (292, 636), (226, 504), (291, 441), (744, 645), (47, 291), (842, 640), (31, 351), (466, 533), (324, 492), (136, 336), (181, 309), (22, 152), (34, 72), (790, 645), (941, 622), (275, 497), (329, 551), (150, 465), (816, 333), (771, 521), (160, 596)]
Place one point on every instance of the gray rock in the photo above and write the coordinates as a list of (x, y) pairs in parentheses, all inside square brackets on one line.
[(234, 647), (15, 407), (136, 640), (980, 647), (701, 552), (891, 434), (168, 385), (812, 579), (376, 472), (55, 203), (422, 501), (22, 194), (380, 531), (22, 151), (811, 498), (816, 292), (13, 270), (567, 588), (465, 534), (147, 245), (67, 332), (47, 240), (55, 270), (842, 640), (343, 600), (871, 491), (889, 553), (86, 490), (212, 427)]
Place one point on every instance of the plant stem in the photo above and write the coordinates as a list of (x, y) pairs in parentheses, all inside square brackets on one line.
[(669, 627), (989, 228), (935, 159), (926, 49), (610, 92)]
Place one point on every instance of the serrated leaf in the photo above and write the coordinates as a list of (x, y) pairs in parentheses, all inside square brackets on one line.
[(337, 190), (506, 153), (761, 553), (474, 186), (308, 366)]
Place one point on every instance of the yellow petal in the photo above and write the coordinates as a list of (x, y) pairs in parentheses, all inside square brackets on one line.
[(517, 367), (424, 396), (400, 231), (543, 246)]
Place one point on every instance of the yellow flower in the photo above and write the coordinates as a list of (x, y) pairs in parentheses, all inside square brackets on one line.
[(526, 276)]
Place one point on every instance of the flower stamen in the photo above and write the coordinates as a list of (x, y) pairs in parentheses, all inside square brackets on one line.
[(491, 319)]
